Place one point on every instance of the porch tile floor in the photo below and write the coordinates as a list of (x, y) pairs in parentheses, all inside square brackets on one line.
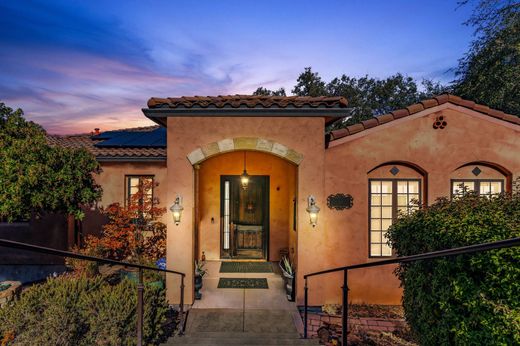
[(272, 298)]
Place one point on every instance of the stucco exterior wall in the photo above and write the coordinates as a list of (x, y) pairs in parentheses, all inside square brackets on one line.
[(469, 137), (281, 190), (112, 180), (304, 135)]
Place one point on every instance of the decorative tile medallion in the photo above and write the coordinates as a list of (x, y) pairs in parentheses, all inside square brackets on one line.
[(476, 171)]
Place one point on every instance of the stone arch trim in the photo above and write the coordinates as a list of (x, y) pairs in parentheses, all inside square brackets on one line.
[(244, 143)]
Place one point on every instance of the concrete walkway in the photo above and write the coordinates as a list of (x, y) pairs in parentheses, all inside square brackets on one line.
[(244, 299), (227, 316)]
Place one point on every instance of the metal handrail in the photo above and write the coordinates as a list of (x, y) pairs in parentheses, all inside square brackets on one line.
[(404, 259), (140, 286)]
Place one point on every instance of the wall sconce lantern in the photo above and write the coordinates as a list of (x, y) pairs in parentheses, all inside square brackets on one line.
[(177, 209), (313, 210), (244, 178)]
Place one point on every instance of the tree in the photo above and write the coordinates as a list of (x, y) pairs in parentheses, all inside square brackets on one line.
[(367, 97), (36, 177), (261, 91), (489, 72), (133, 231), (309, 84), (468, 299)]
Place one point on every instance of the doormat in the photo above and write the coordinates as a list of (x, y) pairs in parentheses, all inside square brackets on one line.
[(246, 267), (242, 283)]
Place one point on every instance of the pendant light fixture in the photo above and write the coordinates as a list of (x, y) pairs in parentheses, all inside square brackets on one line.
[(244, 178)]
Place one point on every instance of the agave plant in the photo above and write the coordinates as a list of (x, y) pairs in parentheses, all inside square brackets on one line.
[(287, 266)]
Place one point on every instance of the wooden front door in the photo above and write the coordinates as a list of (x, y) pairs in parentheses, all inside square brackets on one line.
[(244, 216)]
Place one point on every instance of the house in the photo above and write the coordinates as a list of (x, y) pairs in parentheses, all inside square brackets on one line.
[(359, 177)]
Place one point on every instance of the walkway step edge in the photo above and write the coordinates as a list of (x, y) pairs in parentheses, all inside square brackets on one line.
[(288, 335), (207, 341)]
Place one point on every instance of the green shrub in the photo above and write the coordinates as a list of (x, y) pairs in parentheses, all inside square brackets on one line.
[(83, 311), (469, 299)]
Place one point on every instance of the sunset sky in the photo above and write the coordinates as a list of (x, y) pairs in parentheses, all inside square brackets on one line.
[(76, 65)]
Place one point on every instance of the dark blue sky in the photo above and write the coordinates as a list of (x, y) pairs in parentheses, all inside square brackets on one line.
[(76, 65)]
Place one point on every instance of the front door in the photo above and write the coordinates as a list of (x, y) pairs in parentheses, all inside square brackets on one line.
[(244, 217)]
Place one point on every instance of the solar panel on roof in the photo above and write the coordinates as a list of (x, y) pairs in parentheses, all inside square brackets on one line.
[(134, 139)]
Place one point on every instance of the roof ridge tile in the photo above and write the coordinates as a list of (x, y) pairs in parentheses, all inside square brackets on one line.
[(423, 105)]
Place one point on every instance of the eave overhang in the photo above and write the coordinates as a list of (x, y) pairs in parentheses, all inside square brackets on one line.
[(159, 115)]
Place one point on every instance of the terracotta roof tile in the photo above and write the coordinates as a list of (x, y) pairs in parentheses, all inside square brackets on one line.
[(442, 98), (355, 128), (247, 101), (415, 108), (496, 113), (481, 108), (88, 142), (511, 118), (369, 123), (400, 113), (425, 104), (339, 133), (429, 103), (384, 118)]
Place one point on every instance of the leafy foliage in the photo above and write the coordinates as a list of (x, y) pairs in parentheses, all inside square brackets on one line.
[(367, 97), (468, 299), (489, 72), (36, 177), (81, 311), (133, 232), (266, 92)]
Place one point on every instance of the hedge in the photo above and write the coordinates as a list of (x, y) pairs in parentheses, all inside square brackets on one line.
[(82, 311), (468, 299)]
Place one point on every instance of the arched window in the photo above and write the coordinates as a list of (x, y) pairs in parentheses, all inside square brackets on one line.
[(483, 178), (394, 188)]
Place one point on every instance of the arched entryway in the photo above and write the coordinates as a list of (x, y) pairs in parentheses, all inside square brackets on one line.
[(254, 223)]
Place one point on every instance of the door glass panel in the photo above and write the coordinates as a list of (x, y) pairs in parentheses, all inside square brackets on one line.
[(386, 250), (383, 210), (375, 249), (376, 200), (385, 224), (226, 215), (413, 187), (375, 237), (375, 187), (386, 212), (402, 186), (375, 224), (387, 199), (386, 187), (496, 187), (375, 212)]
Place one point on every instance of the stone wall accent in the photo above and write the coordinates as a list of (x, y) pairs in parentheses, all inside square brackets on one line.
[(244, 143), (317, 320)]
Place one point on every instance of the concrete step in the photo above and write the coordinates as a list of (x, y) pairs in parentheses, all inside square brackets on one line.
[(186, 340), (288, 335)]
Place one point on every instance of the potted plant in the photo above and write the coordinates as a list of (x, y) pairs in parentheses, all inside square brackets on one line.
[(200, 271), (288, 275)]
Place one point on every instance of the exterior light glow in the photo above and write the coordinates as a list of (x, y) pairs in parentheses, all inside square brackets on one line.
[(244, 178), (177, 209), (313, 210)]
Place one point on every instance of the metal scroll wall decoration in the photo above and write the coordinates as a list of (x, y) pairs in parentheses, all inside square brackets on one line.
[(340, 201)]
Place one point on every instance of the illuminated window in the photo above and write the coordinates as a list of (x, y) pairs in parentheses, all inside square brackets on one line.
[(133, 183), (483, 187), (388, 198)]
